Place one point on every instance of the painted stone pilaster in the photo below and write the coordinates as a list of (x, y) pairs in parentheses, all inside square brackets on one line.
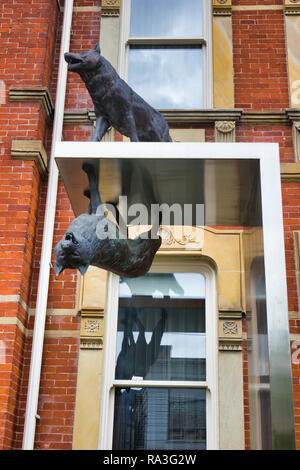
[(222, 55)]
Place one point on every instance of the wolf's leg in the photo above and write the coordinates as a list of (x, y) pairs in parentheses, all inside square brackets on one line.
[(132, 130), (93, 177), (101, 127), (119, 219), (156, 337)]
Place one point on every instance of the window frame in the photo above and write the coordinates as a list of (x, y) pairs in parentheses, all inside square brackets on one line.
[(205, 41), (210, 384)]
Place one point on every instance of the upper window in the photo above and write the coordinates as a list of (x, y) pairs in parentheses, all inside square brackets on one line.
[(167, 52)]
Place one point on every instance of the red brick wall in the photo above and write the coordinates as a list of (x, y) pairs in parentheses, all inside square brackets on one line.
[(60, 355), (27, 31), (260, 67)]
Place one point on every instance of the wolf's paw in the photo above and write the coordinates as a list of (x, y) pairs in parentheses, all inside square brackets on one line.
[(87, 193)]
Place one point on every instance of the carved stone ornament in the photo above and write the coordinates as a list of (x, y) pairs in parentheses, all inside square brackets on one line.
[(91, 332), (230, 328), (292, 7), (222, 7), (176, 238), (110, 7), (92, 325), (225, 126), (230, 331), (225, 131)]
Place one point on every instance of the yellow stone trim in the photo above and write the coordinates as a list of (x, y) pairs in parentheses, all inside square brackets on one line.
[(290, 171), (57, 334), (223, 84), (86, 9), (13, 321), (14, 299), (256, 7), (57, 312), (294, 337)]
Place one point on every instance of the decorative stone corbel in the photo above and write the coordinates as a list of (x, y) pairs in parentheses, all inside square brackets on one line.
[(292, 7), (222, 7), (92, 329), (230, 331), (30, 150), (110, 7), (40, 94), (294, 117), (225, 131)]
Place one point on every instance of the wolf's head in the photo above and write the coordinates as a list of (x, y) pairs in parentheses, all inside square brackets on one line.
[(75, 250), (85, 61)]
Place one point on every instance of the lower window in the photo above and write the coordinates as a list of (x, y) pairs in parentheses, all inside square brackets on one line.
[(159, 418), (162, 392)]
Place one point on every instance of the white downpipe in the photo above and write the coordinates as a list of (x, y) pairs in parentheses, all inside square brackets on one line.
[(43, 285)]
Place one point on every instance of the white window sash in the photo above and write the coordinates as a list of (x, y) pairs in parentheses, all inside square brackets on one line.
[(211, 384), (205, 41)]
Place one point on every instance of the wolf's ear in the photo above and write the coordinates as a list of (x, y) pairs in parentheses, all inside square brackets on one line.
[(97, 48), (58, 269), (83, 268)]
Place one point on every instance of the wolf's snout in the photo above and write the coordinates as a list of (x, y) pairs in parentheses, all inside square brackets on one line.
[(72, 59), (69, 242), (70, 237)]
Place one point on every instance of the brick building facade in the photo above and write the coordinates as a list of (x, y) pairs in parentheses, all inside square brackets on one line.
[(254, 86)]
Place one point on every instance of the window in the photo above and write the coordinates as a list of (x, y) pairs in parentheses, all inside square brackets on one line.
[(160, 369), (168, 52)]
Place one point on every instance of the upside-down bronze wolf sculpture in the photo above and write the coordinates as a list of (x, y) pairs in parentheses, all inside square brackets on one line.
[(94, 239)]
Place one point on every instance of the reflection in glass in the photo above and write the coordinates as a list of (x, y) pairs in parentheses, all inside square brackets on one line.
[(167, 77), (159, 418), (162, 336), (166, 18)]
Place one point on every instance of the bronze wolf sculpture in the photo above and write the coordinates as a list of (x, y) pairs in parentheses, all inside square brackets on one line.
[(116, 104), (83, 244)]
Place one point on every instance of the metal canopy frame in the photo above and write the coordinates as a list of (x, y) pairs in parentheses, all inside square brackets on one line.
[(267, 157)]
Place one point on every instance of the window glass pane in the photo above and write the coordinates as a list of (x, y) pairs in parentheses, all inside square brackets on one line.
[(167, 76), (161, 328), (160, 418), (166, 18)]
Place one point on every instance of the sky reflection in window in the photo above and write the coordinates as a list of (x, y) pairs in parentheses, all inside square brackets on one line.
[(167, 77), (166, 18)]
